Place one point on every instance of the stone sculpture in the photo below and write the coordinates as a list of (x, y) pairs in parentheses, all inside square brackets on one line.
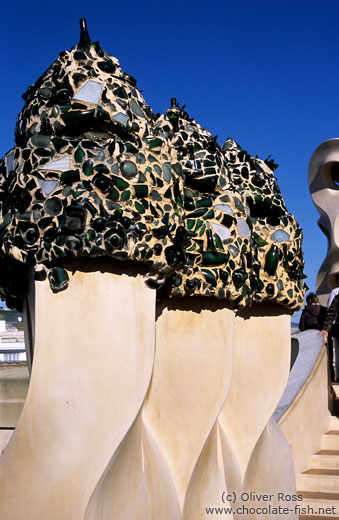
[(323, 178), (95, 173), (144, 401)]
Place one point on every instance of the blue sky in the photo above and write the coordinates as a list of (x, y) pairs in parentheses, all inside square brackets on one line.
[(265, 72)]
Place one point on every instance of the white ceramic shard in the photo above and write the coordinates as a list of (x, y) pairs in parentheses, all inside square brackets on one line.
[(243, 228), (280, 236), (90, 92), (60, 165), (10, 162), (48, 186), (120, 118), (220, 230), (225, 208)]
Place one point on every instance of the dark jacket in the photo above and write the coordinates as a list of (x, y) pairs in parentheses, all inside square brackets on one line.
[(312, 317), (332, 314)]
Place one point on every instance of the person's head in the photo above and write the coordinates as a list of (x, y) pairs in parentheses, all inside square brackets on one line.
[(337, 279), (312, 298)]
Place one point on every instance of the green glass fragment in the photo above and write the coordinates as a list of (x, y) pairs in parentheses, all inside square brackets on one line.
[(177, 168), (217, 241), (139, 207), (113, 195), (198, 224), (204, 203), (198, 213), (155, 195), (91, 234), (26, 153), (168, 194), (225, 198), (70, 176), (55, 111), (213, 258), (202, 230), (41, 140), (233, 250), (155, 143), (59, 252), (26, 216), (189, 203), (227, 220), (87, 168), (259, 240), (141, 190), (131, 148), (271, 260), (87, 185), (167, 171), (79, 155), (238, 204), (65, 108), (209, 214), (58, 278), (256, 284), (53, 206), (77, 194), (238, 278), (210, 278), (245, 290), (267, 202), (40, 275), (120, 183), (129, 169), (140, 158)]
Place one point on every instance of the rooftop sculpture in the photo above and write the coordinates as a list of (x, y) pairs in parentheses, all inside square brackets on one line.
[(95, 172), (138, 406), (323, 185)]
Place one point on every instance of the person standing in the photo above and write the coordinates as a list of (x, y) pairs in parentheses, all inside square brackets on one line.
[(331, 329), (334, 292), (313, 314)]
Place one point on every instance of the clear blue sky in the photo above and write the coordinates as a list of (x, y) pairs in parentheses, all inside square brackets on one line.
[(265, 72)]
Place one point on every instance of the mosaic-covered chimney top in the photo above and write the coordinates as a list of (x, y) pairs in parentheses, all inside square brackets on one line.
[(95, 173)]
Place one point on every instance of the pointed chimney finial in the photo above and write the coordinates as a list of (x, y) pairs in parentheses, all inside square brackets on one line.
[(85, 40)]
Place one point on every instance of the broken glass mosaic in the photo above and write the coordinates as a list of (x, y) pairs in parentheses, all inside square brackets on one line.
[(94, 172)]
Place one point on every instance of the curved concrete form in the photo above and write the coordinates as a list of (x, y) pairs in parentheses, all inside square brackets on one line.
[(302, 413), (323, 180), (308, 345), (156, 373), (138, 411)]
